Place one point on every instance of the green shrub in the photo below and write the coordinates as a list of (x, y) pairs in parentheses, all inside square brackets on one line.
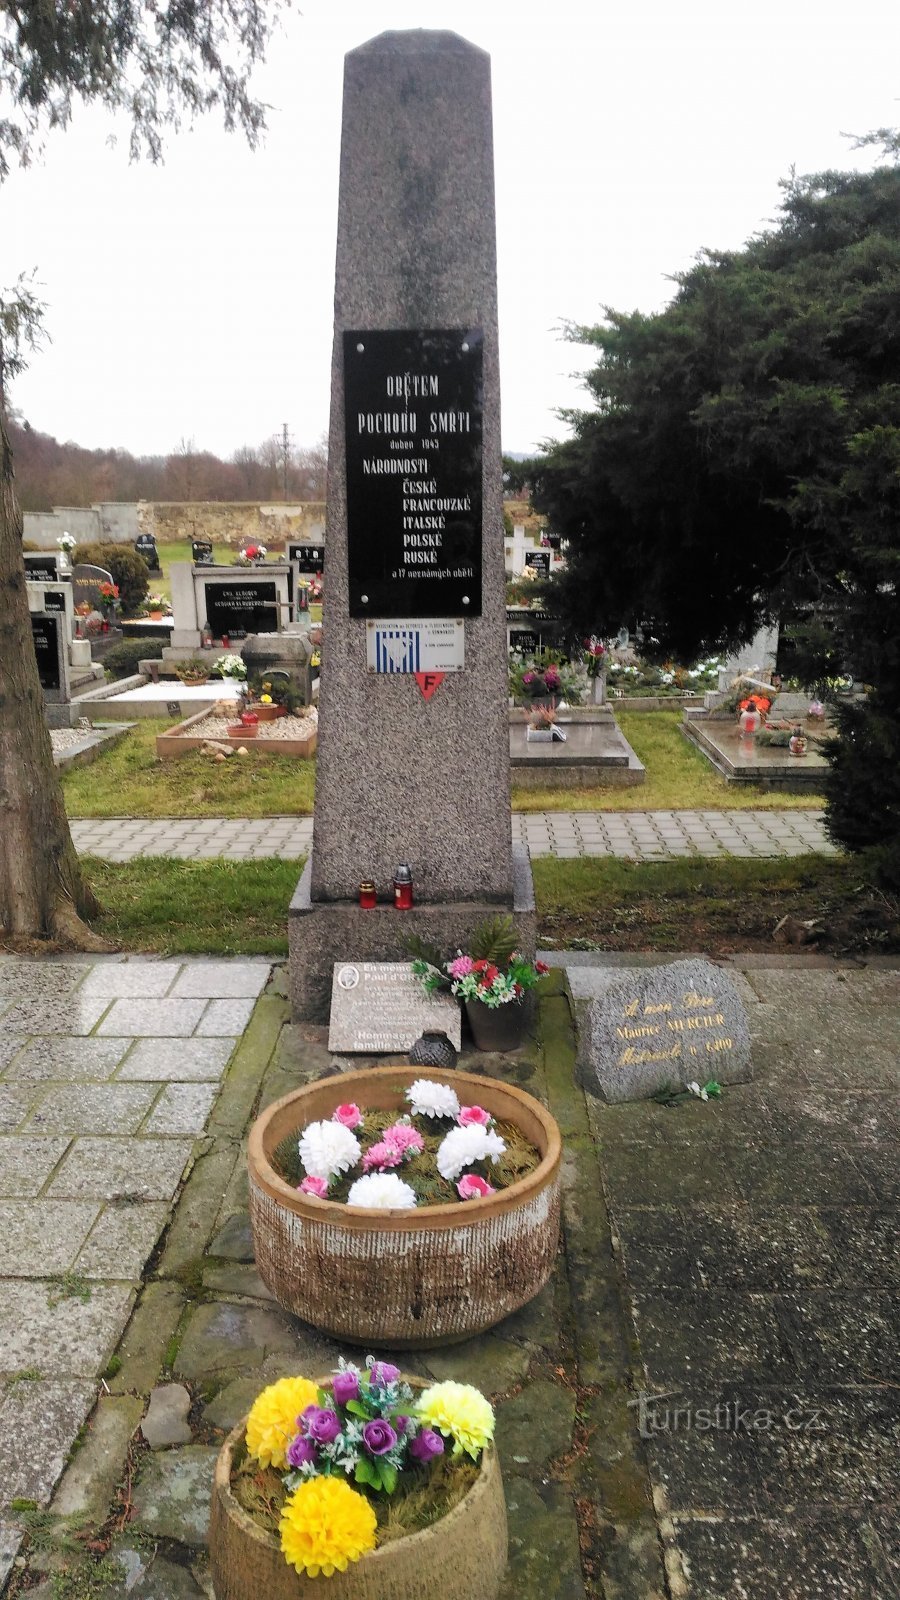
[(130, 571), (122, 660)]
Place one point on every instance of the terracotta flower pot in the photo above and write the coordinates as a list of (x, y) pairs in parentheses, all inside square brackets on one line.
[(267, 713), (462, 1557), (406, 1278), (496, 1028)]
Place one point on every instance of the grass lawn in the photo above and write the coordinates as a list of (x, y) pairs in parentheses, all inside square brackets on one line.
[(240, 907), (714, 906), (180, 550), (227, 908), (128, 780), (679, 778)]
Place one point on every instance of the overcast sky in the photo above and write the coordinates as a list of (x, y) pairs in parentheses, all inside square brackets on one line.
[(194, 299)]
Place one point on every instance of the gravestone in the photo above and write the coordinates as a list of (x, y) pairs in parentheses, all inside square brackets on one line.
[(251, 606), (202, 553), (40, 564), (51, 649), (538, 561), (413, 764), (86, 581), (380, 1007), (664, 1026), (306, 557), (145, 546)]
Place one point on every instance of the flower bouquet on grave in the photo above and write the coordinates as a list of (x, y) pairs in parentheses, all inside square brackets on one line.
[(388, 1482), (229, 666), (251, 554), (492, 982), (109, 600), (595, 656)]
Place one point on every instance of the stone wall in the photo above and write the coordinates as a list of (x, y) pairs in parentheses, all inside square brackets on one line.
[(222, 522)]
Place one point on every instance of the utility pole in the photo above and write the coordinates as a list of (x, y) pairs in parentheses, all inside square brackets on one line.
[(285, 458)]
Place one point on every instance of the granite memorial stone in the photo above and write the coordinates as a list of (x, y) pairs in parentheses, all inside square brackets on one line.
[(379, 1007), (663, 1027), (48, 632), (86, 581), (415, 433), (41, 564)]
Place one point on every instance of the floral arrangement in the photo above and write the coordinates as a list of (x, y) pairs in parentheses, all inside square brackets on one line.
[(488, 981), (755, 702), (109, 593), (228, 666), (594, 656), (435, 1153), (338, 1469), (252, 552), (156, 602), (66, 542), (542, 717)]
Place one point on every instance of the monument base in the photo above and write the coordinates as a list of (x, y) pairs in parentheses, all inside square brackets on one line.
[(321, 932)]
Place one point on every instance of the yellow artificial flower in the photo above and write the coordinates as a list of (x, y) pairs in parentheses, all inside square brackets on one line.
[(272, 1422), (324, 1526), (458, 1412), (265, 699)]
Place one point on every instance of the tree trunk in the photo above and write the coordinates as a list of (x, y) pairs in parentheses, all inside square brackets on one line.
[(42, 892)]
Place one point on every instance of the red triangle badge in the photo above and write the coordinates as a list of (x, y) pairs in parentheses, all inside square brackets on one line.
[(429, 681)]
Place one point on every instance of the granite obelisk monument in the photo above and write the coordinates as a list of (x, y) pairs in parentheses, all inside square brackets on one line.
[(413, 762)]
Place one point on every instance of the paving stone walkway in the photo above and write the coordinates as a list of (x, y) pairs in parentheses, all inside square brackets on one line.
[(702, 1404), (638, 835), (108, 1074)]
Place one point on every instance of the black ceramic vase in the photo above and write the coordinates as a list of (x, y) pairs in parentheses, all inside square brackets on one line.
[(433, 1050)]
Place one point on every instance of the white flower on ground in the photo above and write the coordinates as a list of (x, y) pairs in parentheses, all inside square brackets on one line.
[(429, 1099), (327, 1148), (382, 1190), (696, 1089), (464, 1146)]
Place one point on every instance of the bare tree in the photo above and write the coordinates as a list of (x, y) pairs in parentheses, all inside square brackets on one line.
[(159, 63)]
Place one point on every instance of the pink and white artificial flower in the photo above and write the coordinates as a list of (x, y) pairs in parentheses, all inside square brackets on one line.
[(316, 1186), (471, 1187), (405, 1137), (461, 967), (349, 1115), (472, 1116), (382, 1155)]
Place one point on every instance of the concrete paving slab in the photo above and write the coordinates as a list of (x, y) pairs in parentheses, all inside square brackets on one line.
[(27, 1162), (112, 980), (182, 1108), (152, 1019), (41, 1237), (92, 1108), (222, 980), (179, 1060), (47, 1413), (73, 1337), (68, 1060), (224, 1017), (122, 1240), (108, 1169)]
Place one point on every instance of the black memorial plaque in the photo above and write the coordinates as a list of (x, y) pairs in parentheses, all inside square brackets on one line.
[(54, 600), (524, 641), (231, 607), (45, 633), (202, 553), (538, 561), (145, 545), (307, 557), (414, 403), (38, 565)]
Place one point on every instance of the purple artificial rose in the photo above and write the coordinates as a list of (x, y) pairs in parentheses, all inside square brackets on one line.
[(426, 1445), (300, 1451), (379, 1437), (401, 1424), (321, 1426), (345, 1386), (382, 1374)]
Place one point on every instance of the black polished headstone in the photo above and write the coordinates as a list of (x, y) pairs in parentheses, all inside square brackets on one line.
[(413, 414), (145, 545), (202, 553), (40, 564), (49, 643), (307, 557), (54, 600), (252, 606), (538, 561)]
